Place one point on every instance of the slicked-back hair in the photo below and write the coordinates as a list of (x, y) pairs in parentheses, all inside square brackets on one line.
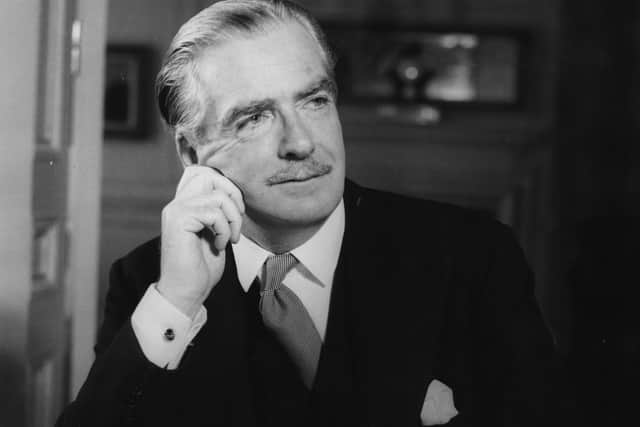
[(181, 100)]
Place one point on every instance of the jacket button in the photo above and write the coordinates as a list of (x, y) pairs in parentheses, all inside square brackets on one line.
[(169, 335)]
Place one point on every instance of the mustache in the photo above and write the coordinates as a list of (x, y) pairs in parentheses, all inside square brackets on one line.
[(299, 171)]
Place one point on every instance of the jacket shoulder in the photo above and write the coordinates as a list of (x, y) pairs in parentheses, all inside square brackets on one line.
[(430, 219)]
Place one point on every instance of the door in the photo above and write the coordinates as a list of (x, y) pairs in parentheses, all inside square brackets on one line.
[(47, 323), (47, 243)]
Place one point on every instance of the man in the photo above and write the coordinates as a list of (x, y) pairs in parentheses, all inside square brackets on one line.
[(278, 294)]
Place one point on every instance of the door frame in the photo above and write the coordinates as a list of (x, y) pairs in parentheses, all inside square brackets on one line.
[(85, 183)]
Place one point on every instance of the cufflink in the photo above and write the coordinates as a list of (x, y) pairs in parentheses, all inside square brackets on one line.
[(169, 335)]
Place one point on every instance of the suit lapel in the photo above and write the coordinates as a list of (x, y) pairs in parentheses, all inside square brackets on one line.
[(396, 302), (333, 393)]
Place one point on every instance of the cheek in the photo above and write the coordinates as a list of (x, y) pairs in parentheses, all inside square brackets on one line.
[(326, 126), (244, 165), (328, 133)]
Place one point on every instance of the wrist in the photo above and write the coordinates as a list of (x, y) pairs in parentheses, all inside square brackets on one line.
[(189, 305)]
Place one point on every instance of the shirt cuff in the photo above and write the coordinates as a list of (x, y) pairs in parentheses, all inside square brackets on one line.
[(162, 330)]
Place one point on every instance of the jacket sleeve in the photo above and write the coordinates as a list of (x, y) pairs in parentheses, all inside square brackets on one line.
[(120, 370)]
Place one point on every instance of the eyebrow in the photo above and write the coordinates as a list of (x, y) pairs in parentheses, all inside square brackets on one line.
[(248, 109), (325, 84), (257, 106)]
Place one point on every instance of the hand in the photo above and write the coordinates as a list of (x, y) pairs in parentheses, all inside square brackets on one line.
[(197, 225)]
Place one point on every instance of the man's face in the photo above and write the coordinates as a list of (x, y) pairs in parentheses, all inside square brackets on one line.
[(272, 126)]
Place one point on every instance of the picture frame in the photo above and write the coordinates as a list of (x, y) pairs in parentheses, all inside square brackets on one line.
[(448, 67), (127, 91)]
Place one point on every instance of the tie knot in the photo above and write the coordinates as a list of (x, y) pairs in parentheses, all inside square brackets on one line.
[(276, 268)]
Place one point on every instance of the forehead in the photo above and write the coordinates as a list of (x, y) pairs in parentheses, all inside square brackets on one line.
[(274, 64)]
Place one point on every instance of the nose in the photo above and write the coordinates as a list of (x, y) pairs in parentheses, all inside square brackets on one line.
[(297, 142)]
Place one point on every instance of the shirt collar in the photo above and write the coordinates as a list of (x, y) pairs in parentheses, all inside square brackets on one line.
[(319, 255)]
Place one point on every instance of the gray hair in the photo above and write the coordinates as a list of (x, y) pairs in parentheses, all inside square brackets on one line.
[(181, 101)]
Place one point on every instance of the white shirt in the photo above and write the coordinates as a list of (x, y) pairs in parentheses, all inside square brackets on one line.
[(311, 280)]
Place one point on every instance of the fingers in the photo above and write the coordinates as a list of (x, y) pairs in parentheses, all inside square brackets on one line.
[(208, 206), (200, 180), (214, 210), (205, 199), (220, 228), (194, 218)]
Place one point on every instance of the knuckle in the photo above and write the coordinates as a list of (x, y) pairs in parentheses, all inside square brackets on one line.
[(218, 194), (225, 234), (172, 208), (215, 215), (184, 223), (220, 221)]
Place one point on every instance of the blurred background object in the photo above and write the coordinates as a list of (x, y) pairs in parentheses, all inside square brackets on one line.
[(545, 138), (127, 91), (458, 66)]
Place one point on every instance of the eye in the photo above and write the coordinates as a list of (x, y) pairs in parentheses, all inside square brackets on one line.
[(253, 120), (319, 101)]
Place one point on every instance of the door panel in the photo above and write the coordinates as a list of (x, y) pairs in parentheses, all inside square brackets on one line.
[(47, 349), (50, 174)]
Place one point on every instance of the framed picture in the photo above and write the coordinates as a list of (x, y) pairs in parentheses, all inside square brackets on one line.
[(447, 66), (127, 91)]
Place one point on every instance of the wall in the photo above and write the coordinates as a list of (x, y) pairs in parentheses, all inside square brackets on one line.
[(139, 175), (469, 158), (596, 153)]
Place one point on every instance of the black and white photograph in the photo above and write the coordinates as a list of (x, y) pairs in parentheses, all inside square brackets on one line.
[(288, 213)]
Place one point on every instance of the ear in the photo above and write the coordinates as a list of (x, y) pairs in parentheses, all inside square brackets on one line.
[(186, 152)]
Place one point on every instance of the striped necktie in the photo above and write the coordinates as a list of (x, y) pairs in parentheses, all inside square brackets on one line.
[(284, 314)]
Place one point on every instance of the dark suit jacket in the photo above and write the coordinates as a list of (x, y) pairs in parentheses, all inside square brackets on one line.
[(433, 291)]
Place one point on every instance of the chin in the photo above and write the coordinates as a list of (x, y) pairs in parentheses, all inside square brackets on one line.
[(312, 213)]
